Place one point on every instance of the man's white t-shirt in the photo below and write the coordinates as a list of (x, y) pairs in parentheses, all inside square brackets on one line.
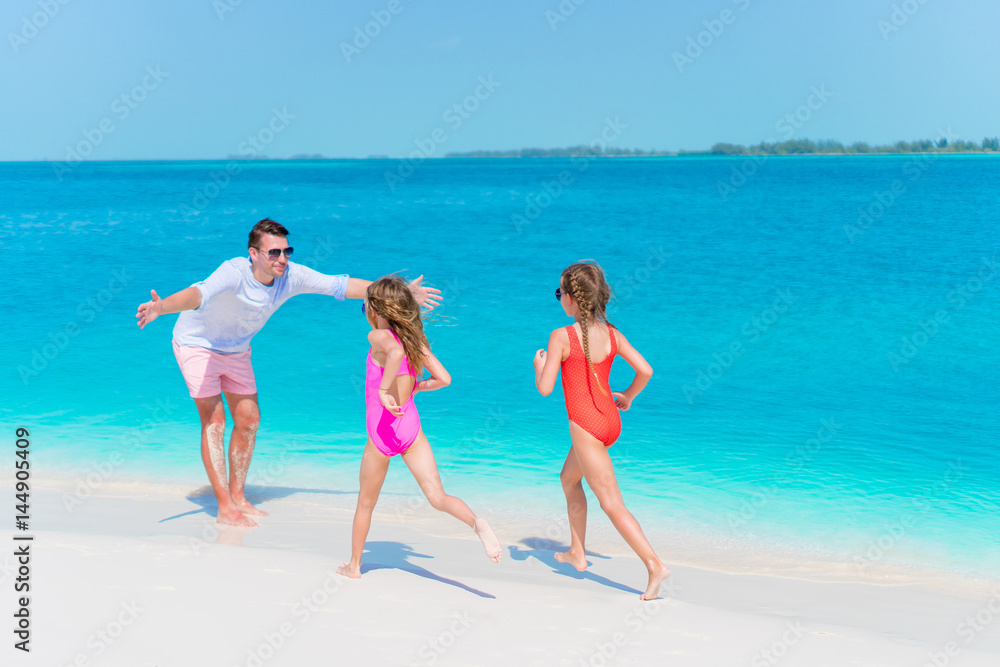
[(235, 305)]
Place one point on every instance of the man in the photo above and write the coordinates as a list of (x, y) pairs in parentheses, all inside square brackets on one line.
[(218, 318)]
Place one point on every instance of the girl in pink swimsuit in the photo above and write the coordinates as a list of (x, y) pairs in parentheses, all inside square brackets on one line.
[(399, 352)]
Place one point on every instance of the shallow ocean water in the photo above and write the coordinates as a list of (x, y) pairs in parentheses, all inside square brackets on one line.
[(824, 337)]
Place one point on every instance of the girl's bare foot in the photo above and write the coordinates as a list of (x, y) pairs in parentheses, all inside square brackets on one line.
[(348, 570), (579, 561), (489, 540), (233, 517), (656, 578)]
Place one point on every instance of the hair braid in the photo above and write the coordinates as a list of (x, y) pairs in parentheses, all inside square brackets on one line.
[(586, 315)]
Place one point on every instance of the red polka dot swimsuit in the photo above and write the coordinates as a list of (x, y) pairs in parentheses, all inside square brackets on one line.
[(590, 408)]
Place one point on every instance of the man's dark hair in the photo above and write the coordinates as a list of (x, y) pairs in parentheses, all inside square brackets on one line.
[(265, 226)]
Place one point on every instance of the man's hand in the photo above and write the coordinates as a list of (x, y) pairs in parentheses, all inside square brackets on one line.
[(427, 297), (150, 310)]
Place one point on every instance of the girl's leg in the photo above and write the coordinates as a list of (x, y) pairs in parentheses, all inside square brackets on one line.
[(600, 475), (374, 465), (576, 505), (419, 458)]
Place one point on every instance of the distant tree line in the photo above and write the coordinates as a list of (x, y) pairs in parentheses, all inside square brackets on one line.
[(572, 151), (829, 146), (791, 147)]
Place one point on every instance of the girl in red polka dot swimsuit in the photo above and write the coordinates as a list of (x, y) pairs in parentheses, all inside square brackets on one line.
[(584, 352)]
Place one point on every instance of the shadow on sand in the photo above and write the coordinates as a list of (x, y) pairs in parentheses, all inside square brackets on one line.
[(257, 495), (395, 556), (545, 551)]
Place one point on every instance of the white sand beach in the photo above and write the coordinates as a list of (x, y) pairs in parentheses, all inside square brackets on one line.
[(140, 575)]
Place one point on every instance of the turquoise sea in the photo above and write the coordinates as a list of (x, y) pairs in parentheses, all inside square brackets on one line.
[(823, 330)]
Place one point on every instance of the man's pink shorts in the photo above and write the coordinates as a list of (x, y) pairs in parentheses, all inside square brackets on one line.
[(209, 373)]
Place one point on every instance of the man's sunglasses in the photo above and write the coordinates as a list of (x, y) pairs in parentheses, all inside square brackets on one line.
[(275, 253)]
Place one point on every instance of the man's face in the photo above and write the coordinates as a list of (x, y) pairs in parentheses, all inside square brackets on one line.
[(261, 259)]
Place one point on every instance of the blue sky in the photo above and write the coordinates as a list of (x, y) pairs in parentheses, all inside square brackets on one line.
[(227, 70)]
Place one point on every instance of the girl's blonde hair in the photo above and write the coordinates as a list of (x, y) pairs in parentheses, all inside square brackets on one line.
[(391, 298), (585, 282)]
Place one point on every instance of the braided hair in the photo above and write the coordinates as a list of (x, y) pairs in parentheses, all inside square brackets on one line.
[(585, 282), (391, 298)]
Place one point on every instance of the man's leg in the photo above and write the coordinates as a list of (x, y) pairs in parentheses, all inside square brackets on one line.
[(246, 419), (213, 455)]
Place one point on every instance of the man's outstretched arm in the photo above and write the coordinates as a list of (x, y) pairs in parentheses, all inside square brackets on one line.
[(427, 297), (357, 288), (186, 299)]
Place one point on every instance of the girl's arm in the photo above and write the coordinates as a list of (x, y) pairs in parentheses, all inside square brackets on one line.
[(439, 374), (547, 363), (383, 342), (643, 371)]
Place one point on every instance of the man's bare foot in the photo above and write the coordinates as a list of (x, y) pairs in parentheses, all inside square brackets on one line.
[(655, 579), (245, 507), (348, 570), (489, 539), (233, 517), (579, 561)]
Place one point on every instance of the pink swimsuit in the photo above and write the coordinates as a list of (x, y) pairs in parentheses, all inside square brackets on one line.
[(390, 435)]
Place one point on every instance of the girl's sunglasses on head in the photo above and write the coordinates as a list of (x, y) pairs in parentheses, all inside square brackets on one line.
[(559, 294)]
